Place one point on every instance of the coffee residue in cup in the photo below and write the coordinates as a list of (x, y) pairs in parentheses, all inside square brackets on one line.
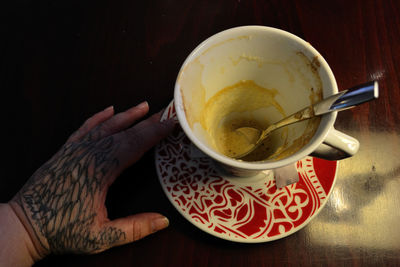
[(240, 105), (243, 105)]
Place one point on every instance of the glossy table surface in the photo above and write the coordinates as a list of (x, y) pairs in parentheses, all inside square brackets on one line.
[(62, 61)]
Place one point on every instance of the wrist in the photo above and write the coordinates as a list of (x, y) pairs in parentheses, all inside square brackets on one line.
[(16, 245)]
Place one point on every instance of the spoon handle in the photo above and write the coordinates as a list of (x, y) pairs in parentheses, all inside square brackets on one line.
[(343, 100), (304, 114), (348, 98)]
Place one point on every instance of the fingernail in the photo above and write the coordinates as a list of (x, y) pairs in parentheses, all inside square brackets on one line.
[(170, 122), (159, 223), (109, 108), (144, 104)]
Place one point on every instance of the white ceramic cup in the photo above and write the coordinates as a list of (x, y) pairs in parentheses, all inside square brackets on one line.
[(287, 67)]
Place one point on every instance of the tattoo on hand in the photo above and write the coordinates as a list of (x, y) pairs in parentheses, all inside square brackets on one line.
[(62, 198)]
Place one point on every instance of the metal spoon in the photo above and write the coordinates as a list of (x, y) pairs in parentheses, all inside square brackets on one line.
[(338, 102)]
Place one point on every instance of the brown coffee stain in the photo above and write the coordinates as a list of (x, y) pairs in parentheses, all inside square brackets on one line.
[(193, 96)]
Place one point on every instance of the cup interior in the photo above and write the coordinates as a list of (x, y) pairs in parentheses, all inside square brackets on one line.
[(253, 76)]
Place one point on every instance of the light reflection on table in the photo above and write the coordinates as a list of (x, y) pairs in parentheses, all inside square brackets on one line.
[(363, 207)]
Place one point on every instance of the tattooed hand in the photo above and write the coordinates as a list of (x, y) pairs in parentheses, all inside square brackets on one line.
[(62, 205)]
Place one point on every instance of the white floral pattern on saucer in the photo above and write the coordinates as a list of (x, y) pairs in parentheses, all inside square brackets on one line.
[(239, 209)]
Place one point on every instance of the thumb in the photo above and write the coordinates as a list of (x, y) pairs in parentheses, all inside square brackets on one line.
[(137, 226)]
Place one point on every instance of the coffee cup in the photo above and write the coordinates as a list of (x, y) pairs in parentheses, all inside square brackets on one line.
[(253, 76)]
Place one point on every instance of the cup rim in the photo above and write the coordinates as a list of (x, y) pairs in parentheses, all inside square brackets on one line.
[(326, 124)]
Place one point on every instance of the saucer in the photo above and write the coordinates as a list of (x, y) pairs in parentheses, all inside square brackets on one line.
[(243, 209)]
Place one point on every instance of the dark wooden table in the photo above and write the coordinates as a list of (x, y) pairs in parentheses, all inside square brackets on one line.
[(62, 61)]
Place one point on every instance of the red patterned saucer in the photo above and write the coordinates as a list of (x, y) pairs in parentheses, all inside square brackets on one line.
[(239, 209)]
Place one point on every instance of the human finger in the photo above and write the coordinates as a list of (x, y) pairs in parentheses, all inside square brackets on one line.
[(132, 228), (91, 123), (143, 136), (120, 121)]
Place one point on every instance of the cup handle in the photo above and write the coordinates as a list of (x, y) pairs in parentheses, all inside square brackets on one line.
[(336, 146)]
